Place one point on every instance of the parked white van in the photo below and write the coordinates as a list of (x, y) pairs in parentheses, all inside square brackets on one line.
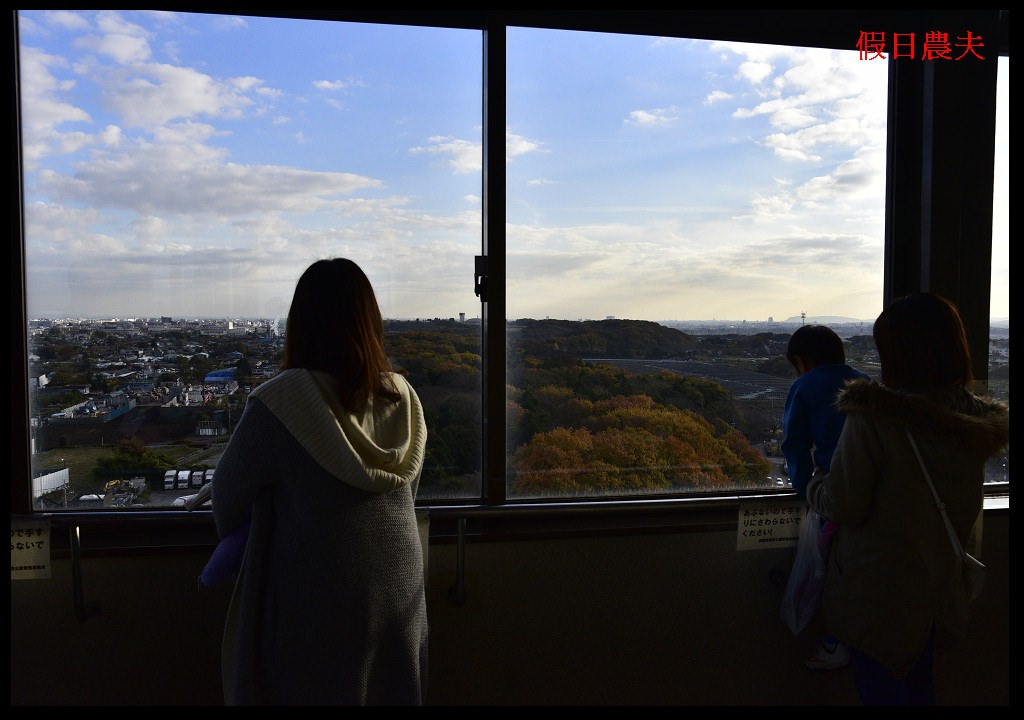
[(183, 477)]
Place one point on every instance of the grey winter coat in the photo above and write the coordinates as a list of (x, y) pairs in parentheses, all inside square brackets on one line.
[(893, 573), (329, 606)]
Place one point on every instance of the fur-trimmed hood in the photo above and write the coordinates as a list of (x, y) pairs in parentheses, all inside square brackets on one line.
[(980, 424)]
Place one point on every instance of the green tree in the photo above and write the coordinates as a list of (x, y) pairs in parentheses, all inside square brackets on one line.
[(46, 405), (243, 369), (131, 458), (100, 383)]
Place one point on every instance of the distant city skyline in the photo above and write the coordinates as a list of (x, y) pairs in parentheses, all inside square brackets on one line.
[(193, 165), (280, 322)]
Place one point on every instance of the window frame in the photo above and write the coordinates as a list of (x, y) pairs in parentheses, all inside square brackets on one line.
[(937, 229)]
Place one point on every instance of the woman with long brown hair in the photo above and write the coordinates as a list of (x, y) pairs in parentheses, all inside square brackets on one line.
[(894, 589), (328, 607)]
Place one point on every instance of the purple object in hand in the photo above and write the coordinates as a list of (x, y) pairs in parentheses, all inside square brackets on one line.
[(226, 560)]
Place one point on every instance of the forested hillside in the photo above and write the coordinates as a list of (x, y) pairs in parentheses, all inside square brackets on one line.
[(577, 427)]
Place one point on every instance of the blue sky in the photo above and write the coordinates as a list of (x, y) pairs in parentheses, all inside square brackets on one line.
[(194, 165)]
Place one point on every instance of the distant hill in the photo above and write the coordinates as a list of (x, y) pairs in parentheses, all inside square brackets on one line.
[(599, 338)]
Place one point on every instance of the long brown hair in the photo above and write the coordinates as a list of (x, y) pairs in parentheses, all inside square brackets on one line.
[(921, 342), (335, 325)]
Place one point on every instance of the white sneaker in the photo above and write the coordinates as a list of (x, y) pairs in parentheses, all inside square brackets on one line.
[(828, 657)]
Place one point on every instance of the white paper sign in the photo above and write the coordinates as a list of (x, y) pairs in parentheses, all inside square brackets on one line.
[(765, 525), (30, 550)]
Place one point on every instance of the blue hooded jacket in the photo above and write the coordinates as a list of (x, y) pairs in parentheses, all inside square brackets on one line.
[(811, 423)]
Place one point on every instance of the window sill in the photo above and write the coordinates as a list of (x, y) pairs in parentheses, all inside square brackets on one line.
[(172, 531)]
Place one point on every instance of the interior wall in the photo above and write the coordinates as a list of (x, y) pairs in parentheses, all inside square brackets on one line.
[(652, 619)]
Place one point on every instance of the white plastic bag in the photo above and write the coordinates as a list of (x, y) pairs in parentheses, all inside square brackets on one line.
[(807, 578)]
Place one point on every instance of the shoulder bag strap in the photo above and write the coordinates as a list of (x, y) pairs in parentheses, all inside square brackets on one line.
[(938, 502)]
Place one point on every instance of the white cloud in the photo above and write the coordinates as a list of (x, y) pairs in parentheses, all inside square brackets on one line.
[(861, 176), (462, 156), (124, 42), (333, 85), (154, 94), (43, 112), (716, 95), (65, 19), (209, 214), (72, 142), (179, 175), (756, 52), (518, 145), (792, 118), (800, 145), (111, 136), (244, 83), (754, 72), (768, 208), (61, 230), (657, 117), (820, 100), (112, 22), (466, 156), (591, 271)]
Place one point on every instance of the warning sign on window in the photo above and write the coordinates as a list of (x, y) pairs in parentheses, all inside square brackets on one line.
[(30, 550), (763, 525)]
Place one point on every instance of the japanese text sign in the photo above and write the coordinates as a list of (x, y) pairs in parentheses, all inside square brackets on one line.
[(30, 550), (764, 525)]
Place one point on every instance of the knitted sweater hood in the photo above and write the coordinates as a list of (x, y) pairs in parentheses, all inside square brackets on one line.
[(378, 449)]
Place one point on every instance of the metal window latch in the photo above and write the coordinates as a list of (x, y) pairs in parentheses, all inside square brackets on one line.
[(480, 278)]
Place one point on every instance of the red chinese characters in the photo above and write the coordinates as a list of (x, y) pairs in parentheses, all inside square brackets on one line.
[(935, 46)]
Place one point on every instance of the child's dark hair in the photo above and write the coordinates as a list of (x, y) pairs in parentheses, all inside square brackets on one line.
[(817, 344)]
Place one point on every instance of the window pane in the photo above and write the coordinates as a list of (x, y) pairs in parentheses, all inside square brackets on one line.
[(998, 468), (181, 170), (676, 208)]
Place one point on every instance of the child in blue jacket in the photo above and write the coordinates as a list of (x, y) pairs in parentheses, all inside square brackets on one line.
[(811, 425)]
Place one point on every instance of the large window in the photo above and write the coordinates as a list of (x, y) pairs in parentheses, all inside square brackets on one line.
[(659, 213), (181, 170), (676, 208)]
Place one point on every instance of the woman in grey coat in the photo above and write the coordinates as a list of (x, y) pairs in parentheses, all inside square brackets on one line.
[(329, 605), (893, 587)]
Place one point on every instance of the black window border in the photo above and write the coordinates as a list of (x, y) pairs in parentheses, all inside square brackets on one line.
[(941, 118)]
